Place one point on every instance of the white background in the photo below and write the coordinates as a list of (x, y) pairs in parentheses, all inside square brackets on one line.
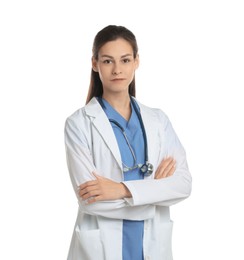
[(192, 67)]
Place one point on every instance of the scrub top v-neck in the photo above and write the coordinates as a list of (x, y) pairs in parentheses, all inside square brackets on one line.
[(132, 230)]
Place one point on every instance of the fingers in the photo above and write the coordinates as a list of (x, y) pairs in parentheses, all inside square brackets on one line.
[(171, 170), (166, 168), (88, 183), (102, 189), (97, 176), (88, 189), (93, 191)]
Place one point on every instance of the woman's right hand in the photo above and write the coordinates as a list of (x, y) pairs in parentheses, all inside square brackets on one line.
[(166, 168)]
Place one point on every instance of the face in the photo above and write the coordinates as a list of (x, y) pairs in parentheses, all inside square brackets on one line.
[(116, 66)]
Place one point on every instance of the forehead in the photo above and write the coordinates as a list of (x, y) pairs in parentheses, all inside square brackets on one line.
[(118, 47)]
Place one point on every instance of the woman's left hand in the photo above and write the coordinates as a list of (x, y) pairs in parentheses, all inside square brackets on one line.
[(166, 168), (102, 189)]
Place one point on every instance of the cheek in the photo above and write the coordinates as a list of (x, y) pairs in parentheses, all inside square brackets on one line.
[(104, 73), (131, 72), (132, 69)]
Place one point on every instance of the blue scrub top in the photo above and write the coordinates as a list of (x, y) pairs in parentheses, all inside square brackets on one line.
[(132, 230)]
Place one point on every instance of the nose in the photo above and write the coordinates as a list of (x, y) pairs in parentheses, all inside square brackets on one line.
[(116, 73), (116, 70)]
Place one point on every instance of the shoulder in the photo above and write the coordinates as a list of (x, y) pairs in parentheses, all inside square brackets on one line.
[(85, 113), (154, 113), (79, 120), (76, 118)]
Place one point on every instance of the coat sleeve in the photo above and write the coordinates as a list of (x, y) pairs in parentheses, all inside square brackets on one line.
[(80, 166), (170, 190)]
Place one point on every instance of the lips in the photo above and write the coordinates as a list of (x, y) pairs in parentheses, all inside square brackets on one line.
[(118, 79)]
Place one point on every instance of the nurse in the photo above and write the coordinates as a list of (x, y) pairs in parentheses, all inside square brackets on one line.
[(126, 163)]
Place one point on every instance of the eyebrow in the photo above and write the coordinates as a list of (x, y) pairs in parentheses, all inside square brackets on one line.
[(111, 57)]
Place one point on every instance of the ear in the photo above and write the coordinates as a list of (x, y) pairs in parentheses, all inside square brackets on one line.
[(94, 64), (137, 61)]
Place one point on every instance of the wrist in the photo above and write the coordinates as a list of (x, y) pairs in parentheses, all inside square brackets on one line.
[(125, 191)]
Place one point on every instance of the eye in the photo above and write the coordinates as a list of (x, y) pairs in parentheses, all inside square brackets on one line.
[(126, 60), (107, 61)]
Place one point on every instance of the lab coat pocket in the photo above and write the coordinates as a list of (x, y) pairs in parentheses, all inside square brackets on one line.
[(165, 239), (90, 245)]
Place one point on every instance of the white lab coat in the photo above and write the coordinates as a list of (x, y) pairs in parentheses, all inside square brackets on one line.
[(91, 146)]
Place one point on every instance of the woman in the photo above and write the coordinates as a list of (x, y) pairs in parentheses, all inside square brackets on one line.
[(126, 164)]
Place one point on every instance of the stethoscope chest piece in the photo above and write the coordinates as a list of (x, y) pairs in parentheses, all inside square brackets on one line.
[(147, 169)]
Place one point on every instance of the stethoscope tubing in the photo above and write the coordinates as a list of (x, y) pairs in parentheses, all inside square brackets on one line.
[(146, 168), (142, 128)]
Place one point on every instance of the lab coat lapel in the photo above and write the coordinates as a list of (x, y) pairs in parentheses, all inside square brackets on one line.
[(103, 126)]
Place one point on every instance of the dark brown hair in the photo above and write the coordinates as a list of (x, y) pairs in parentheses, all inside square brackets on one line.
[(109, 33)]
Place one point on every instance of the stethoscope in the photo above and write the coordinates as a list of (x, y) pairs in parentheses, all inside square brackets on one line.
[(146, 168)]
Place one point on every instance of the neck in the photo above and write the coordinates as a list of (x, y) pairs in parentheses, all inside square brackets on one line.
[(121, 103)]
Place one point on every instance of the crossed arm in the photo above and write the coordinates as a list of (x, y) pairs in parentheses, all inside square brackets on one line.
[(171, 183), (102, 188)]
